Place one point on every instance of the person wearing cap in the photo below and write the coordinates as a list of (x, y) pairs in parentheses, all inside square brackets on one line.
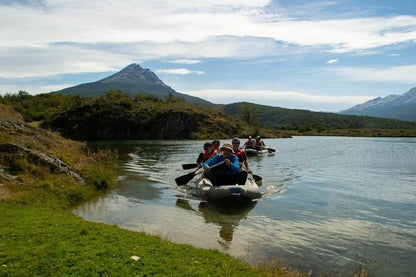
[(227, 173), (249, 143), (206, 154), (216, 146), (259, 145), (241, 155)]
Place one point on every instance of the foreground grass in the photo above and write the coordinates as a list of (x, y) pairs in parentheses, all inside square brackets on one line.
[(39, 236), (35, 240)]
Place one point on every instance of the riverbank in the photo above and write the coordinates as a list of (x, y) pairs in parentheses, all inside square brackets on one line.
[(44, 241), (39, 236)]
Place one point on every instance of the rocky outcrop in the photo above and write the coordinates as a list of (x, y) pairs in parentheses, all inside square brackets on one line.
[(113, 121), (53, 163)]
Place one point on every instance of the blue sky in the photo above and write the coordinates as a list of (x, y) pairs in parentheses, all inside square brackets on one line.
[(315, 55)]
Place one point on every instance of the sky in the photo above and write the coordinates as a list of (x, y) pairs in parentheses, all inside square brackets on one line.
[(324, 55)]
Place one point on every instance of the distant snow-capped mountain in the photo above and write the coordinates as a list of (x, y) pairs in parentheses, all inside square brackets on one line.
[(401, 107)]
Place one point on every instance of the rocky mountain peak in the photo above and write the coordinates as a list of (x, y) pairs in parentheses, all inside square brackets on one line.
[(134, 73), (401, 107)]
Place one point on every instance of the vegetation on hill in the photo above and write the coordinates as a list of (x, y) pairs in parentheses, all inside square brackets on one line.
[(298, 122), (116, 115)]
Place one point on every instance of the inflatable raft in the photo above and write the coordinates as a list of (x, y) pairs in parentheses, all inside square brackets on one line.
[(255, 152), (202, 188)]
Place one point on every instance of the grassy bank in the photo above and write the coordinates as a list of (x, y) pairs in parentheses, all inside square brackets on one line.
[(39, 236), (37, 240)]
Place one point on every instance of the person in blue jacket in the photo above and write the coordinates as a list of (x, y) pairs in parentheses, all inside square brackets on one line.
[(225, 168)]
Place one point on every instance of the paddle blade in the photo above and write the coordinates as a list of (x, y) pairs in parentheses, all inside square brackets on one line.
[(271, 150), (257, 178), (189, 166), (182, 180)]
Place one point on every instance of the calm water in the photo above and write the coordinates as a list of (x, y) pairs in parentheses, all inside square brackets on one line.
[(330, 204)]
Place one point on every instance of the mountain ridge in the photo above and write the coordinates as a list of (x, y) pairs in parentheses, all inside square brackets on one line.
[(395, 106)]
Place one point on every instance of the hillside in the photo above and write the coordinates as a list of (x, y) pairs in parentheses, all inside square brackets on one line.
[(402, 107), (115, 115), (118, 116), (304, 121), (31, 157), (133, 80)]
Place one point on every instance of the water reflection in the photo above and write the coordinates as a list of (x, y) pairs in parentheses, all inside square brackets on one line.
[(137, 188), (328, 203), (226, 215)]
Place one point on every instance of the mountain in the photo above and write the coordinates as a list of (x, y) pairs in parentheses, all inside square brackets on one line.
[(401, 107), (132, 80), (304, 120)]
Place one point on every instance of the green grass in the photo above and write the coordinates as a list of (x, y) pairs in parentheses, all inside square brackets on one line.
[(39, 236), (43, 241)]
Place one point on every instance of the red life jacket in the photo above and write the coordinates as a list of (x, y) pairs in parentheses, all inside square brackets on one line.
[(241, 155), (206, 155), (249, 143)]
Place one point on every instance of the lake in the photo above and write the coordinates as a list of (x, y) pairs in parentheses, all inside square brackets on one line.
[(330, 204)]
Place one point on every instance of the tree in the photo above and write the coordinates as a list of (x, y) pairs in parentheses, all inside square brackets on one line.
[(250, 115), (22, 94)]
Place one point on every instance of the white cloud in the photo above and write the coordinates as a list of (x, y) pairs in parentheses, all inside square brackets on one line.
[(73, 58), (58, 37), (179, 71), (181, 21), (44, 60), (287, 99), (32, 89), (184, 61), (332, 61), (405, 74)]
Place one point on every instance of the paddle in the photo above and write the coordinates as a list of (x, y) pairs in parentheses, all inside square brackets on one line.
[(182, 180), (271, 150), (256, 178), (189, 166)]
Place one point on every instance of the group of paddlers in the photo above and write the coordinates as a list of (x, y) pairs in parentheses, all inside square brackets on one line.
[(257, 144), (228, 164)]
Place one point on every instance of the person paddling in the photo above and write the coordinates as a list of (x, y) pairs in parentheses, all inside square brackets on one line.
[(259, 145), (249, 143), (216, 146), (206, 154), (239, 152), (228, 173)]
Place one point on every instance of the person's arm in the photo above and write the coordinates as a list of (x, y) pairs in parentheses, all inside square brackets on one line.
[(213, 160), (234, 164)]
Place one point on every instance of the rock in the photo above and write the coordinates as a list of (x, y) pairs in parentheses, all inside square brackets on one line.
[(135, 258), (50, 161)]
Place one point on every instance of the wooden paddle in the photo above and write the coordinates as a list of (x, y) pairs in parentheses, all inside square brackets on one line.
[(184, 179)]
